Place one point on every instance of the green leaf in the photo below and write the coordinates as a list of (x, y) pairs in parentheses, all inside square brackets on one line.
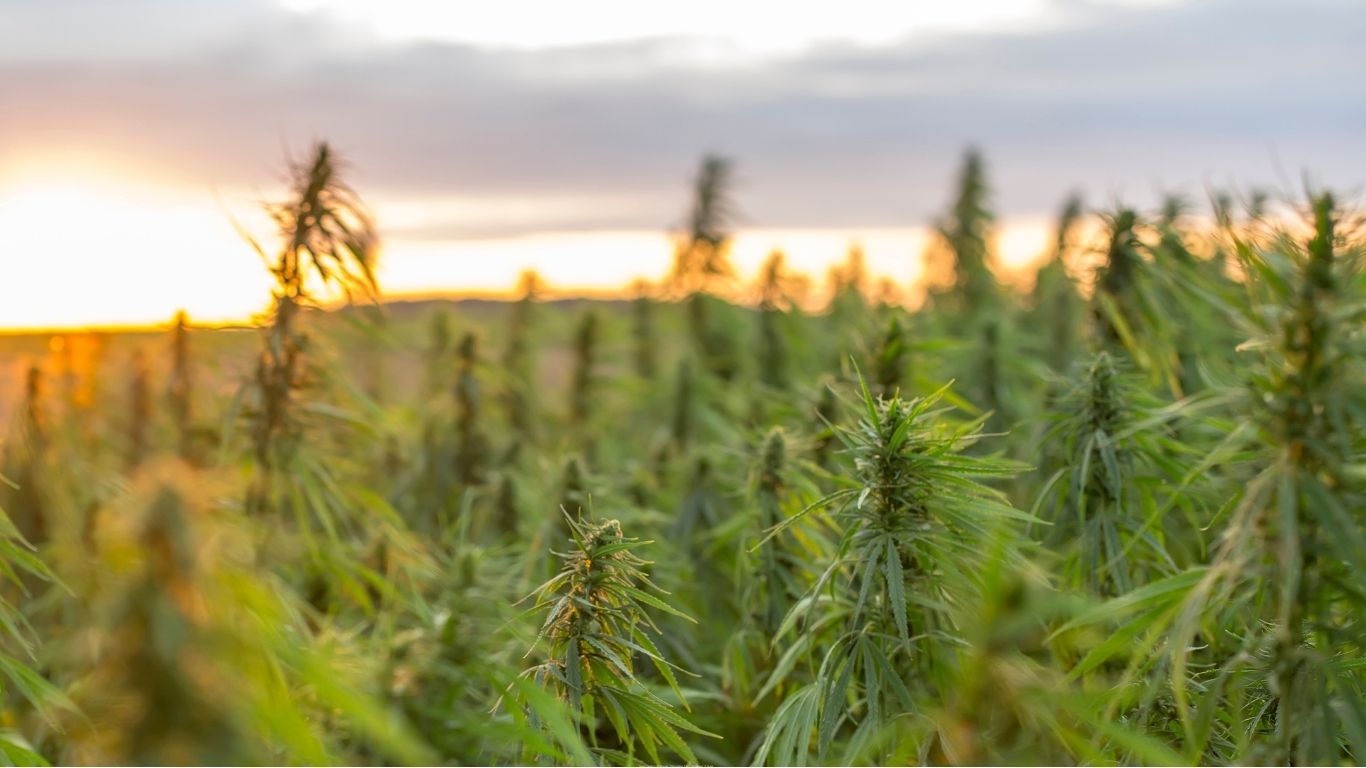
[(896, 591), (1163, 592), (655, 602), (833, 705)]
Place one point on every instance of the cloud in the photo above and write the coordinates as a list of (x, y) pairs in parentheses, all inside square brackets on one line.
[(1118, 101)]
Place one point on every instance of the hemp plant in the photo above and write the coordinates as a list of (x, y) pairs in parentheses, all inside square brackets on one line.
[(585, 376), (139, 410), (28, 458), (596, 626), (1283, 580), (1106, 498), (702, 261), (190, 653), (1056, 304), (965, 232), (774, 299), (1261, 648), (889, 359), (878, 618), (329, 242), (328, 237)]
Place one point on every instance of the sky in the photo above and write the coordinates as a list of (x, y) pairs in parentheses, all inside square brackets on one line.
[(492, 137)]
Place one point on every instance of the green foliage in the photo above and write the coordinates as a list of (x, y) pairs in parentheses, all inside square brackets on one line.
[(188, 654), (1185, 431)]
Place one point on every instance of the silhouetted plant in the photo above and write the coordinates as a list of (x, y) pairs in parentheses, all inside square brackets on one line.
[(965, 230), (702, 254), (702, 261), (1056, 303), (328, 237), (1114, 302), (848, 286)]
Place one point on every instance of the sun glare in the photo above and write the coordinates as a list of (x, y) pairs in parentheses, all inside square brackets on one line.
[(101, 252), (88, 252)]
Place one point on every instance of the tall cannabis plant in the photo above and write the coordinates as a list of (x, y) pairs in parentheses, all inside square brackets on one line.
[(702, 262), (1111, 496), (327, 237), (908, 526)]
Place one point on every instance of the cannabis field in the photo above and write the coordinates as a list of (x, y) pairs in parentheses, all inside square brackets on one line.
[(1118, 517)]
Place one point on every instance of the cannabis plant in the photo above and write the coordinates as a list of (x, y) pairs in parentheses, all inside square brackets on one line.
[(596, 626), (1262, 646), (1281, 579), (702, 263), (585, 360), (1056, 303), (773, 300), (876, 625), (328, 237), (1110, 498), (965, 231)]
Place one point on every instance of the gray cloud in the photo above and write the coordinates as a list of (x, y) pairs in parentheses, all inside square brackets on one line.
[(1114, 101)]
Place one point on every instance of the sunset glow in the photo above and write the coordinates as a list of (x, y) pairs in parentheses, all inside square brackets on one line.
[(110, 252), (563, 138), (105, 252)]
